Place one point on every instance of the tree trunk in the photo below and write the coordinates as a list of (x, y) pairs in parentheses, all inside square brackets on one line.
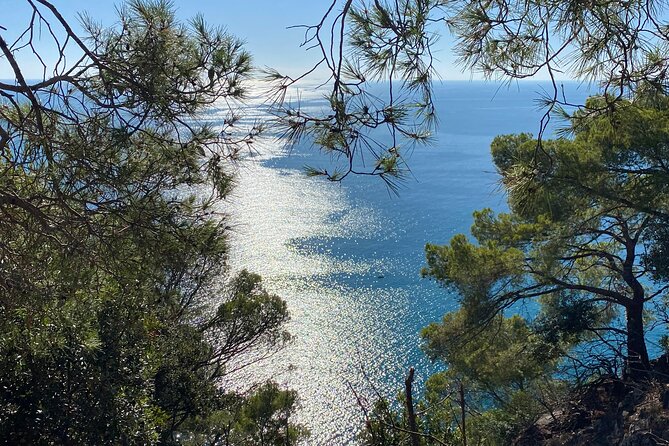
[(463, 414), (411, 414), (638, 364)]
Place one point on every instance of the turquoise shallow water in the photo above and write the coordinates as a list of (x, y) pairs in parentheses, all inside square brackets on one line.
[(347, 257)]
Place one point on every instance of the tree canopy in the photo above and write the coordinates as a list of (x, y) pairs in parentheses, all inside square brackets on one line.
[(112, 247), (569, 242), (580, 255), (112, 243), (621, 46)]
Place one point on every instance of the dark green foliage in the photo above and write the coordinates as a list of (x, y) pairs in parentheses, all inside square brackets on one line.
[(657, 254), (263, 418), (385, 426), (585, 241), (622, 46), (586, 227), (501, 374), (363, 44), (582, 246), (565, 318), (112, 255)]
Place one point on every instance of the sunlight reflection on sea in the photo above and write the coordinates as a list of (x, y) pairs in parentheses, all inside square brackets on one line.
[(347, 257)]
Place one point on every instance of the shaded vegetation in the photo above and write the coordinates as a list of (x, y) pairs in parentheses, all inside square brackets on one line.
[(113, 248)]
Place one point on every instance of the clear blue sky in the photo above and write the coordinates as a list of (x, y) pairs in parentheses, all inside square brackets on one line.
[(261, 23)]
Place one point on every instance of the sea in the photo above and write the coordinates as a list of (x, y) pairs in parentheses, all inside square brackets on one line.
[(347, 256)]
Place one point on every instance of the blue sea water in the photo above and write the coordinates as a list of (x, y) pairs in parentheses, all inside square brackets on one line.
[(347, 257)]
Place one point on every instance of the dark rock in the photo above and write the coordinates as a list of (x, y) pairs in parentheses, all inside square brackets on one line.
[(605, 413)]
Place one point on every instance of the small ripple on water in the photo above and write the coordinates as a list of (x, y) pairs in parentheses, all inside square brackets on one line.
[(356, 305), (347, 326), (348, 273)]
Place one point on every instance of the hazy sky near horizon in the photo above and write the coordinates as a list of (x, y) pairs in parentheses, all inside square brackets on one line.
[(262, 24)]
